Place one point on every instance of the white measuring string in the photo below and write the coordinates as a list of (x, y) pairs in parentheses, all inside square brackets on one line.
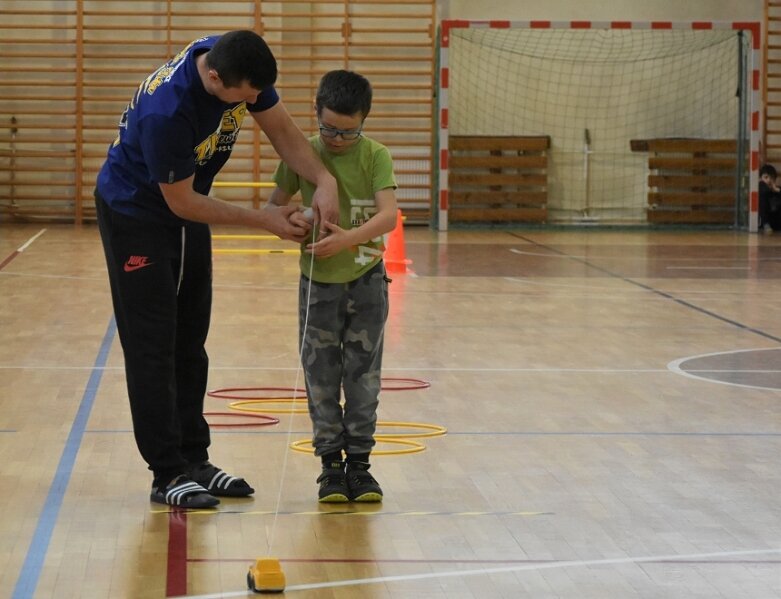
[(272, 532)]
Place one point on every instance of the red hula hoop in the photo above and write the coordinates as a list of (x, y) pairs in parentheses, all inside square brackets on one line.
[(268, 420), (223, 393), (414, 384), (228, 392)]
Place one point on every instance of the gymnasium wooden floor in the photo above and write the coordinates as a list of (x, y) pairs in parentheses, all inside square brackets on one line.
[(611, 400)]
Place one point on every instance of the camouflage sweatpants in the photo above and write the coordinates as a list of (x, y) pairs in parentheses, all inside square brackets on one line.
[(342, 347)]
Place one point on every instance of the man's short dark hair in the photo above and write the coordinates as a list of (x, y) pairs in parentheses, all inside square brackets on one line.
[(344, 92), (240, 56), (768, 169)]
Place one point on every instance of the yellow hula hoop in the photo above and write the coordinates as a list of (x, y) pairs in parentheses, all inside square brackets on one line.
[(245, 237), (252, 251), (431, 430), (434, 430), (255, 184), (240, 405), (305, 446)]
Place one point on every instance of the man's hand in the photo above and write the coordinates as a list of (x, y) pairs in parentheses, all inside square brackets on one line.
[(325, 204), (286, 222), (299, 219)]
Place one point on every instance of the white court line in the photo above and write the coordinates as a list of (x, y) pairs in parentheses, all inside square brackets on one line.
[(30, 241), (707, 267), (632, 291), (594, 288), (248, 286), (385, 368), (103, 278), (545, 255), (591, 257), (485, 571), (20, 249), (42, 276), (619, 286), (435, 369), (675, 366)]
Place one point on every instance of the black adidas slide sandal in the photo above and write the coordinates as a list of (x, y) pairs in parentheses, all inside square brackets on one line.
[(218, 482), (185, 493)]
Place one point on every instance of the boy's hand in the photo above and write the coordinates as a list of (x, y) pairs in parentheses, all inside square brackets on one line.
[(335, 241)]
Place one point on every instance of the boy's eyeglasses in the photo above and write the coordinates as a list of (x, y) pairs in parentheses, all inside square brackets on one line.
[(347, 134)]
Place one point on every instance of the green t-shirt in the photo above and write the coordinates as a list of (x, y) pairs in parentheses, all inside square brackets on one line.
[(361, 171)]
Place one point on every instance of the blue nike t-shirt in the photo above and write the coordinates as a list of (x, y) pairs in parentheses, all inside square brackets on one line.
[(172, 129)]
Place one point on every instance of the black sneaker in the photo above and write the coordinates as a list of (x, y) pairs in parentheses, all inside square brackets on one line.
[(333, 485), (363, 486)]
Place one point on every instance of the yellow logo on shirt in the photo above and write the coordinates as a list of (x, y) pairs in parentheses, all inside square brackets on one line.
[(233, 118), (224, 137)]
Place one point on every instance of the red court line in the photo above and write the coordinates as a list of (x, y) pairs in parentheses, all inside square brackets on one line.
[(5, 262), (20, 249), (176, 575)]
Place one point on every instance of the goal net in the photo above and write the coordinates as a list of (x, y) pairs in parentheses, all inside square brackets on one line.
[(598, 95)]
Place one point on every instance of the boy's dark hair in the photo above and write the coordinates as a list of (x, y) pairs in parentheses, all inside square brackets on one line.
[(240, 56), (768, 169), (344, 92)]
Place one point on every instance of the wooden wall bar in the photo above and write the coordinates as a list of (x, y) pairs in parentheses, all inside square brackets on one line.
[(691, 181), (70, 66), (497, 179)]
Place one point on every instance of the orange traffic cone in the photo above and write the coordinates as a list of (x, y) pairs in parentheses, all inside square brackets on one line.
[(395, 253)]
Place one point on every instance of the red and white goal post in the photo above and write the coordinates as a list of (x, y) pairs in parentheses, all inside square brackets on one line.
[(591, 87)]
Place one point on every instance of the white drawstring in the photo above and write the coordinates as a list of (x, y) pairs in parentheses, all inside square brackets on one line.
[(181, 265), (270, 533)]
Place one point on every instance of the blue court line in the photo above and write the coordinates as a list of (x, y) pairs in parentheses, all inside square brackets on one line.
[(39, 545)]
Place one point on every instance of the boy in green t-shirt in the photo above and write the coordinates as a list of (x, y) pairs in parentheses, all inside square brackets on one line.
[(343, 290)]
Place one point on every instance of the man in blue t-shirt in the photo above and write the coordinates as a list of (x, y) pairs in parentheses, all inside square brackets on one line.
[(154, 213)]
